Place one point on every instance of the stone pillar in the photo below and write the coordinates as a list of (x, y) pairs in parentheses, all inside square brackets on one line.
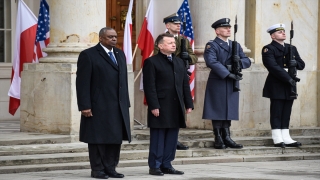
[(206, 12), (48, 93)]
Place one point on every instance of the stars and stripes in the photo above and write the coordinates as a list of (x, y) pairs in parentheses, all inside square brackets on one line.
[(184, 11), (43, 31)]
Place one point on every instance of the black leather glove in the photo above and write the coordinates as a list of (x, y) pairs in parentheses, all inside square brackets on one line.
[(292, 82), (236, 58), (292, 63), (234, 77), (185, 55)]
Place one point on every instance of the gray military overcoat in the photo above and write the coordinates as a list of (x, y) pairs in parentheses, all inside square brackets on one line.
[(220, 102)]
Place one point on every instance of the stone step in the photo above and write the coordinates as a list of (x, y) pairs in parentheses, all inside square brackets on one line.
[(177, 161), (143, 154), (23, 138), (144, 134), (139, 145)]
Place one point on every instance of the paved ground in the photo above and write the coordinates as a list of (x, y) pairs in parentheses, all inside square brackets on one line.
[(293, 170)]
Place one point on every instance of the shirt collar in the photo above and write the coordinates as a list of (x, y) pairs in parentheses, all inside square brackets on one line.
[(106, 49), (224, 40)]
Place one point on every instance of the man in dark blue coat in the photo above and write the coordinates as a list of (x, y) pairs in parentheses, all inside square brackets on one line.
[(221, 103), (103, 99), (279, 84), (173, 24), (167, 91)]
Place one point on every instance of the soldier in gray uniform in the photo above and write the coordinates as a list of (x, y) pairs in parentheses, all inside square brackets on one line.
[(221, 103), (279, 83)]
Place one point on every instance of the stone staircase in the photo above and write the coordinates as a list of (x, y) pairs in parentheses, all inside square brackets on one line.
[(40, 152)]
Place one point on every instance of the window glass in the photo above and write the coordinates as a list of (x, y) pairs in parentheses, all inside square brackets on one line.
[(2, 14), (2, 59), (5, 31)]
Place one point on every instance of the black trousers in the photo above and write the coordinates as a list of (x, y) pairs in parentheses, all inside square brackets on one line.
[(221, 124), (163, 146), (280, 112), (104, 156)]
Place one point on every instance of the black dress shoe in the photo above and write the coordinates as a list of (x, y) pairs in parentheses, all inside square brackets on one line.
[(171, 171), (282, 145), (99, 175), (114, 174), (181, 146), (295, 144), (155, 171)]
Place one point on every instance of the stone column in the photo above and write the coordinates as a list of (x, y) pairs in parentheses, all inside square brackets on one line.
[(205, 12), (48, 94)]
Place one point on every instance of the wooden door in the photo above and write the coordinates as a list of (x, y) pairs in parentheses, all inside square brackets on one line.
[(116, 16)]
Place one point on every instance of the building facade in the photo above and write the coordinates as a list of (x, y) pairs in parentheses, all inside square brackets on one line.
[(49, 105)]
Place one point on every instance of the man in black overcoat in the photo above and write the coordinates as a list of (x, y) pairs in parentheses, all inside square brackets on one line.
[(103, 99), (173, 25), (221, 102), (279, 84), (168, 95)]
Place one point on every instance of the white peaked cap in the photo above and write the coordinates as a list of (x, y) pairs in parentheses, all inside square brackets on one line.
[(276, 27)]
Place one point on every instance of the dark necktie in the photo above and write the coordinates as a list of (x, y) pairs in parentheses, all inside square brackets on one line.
[(170, 58), (112, 57)]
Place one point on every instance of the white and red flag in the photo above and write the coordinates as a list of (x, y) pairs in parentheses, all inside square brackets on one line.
[(127, 41), (24, 50), (146, 38), (184, 11)]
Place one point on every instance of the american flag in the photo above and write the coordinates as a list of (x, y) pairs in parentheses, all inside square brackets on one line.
[(43, 31), (184, 11)]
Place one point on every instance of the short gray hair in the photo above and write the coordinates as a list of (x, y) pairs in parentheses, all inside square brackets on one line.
[(103, 30)]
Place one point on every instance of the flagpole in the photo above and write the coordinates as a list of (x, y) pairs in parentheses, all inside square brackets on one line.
[(135, 79), (134, 52)]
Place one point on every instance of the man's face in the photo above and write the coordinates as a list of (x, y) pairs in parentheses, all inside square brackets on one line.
[(108, 39), (174, 28), (168, 46), (223, 31), (279, 35)]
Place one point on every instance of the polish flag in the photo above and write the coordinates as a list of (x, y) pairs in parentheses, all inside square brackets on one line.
[(127, 46), (145, 40), (26, 28)]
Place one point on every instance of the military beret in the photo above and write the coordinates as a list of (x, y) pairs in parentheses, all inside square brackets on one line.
[(224, 22), (174, 18), (275, 27)]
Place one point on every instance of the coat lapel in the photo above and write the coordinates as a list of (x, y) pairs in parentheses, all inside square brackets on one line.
[(104, 54), (118, 58), (222, 44)]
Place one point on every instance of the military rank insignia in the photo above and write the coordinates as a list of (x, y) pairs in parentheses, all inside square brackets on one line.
[(208, 46), (265, 50)]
